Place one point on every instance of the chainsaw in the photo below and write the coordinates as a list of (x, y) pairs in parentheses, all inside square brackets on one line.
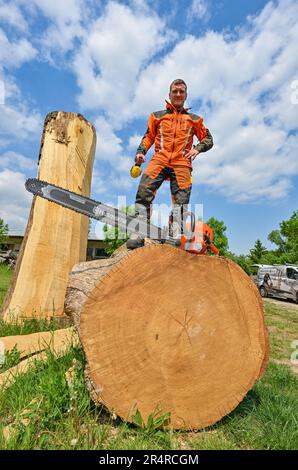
[(196, 238)]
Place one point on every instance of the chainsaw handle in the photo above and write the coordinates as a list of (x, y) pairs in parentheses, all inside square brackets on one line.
[(214, 249), (189, 235)]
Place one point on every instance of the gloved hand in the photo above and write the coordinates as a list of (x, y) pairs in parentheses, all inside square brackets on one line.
[(140, 158)]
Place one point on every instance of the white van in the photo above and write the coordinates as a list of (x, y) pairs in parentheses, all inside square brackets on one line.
[(279, 281)]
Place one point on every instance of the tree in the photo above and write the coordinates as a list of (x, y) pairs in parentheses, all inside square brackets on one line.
[(115, 237), (243, 261), (257, 252), (220, 239), (276, 238), (3, 231), (289, 229), (286, 239)]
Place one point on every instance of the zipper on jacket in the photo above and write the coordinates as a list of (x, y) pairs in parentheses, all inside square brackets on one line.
[(173, 141)]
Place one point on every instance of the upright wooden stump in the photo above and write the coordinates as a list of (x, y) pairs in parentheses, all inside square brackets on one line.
[(55, 238)]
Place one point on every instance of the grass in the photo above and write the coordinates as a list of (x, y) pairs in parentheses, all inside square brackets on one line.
[(27, 326), (282, 324), (5, 278), (50, 408)]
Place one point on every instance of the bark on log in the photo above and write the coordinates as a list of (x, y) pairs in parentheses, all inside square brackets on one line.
[(55, 238), (167, 330), (85, 276)]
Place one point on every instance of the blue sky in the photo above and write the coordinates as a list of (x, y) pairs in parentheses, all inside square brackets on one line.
[(113, 62)]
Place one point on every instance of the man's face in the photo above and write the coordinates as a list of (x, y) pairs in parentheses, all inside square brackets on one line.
[(178, 95)]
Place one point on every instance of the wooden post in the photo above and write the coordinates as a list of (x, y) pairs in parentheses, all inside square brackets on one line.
[(55, 237)]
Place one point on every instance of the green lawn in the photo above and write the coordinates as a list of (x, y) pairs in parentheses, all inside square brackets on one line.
[(50, 408), (5, 277), (282, 322), (29, 326)]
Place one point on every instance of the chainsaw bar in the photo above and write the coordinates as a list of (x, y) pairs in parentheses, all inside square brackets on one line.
[(96, 210)]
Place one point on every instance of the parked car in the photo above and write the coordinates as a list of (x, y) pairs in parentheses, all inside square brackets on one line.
[(9, 258), (280, 281)]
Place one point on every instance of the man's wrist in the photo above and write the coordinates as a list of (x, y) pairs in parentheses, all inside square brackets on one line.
[(199, 148)]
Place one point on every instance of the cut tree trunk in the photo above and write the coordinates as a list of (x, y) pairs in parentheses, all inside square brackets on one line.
[(164, 330), (55, 237)]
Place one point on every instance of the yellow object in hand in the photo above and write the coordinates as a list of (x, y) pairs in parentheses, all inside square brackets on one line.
[(135, 171)]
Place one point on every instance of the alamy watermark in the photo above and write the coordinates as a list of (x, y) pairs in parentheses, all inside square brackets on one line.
[(2, 353), (2, 92), (294, 94), (294, 355), (165, 220)]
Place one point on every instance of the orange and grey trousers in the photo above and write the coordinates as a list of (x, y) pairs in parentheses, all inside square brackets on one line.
[(180, 185)]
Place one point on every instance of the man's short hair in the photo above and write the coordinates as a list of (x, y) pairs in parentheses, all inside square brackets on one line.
[(178, 81)]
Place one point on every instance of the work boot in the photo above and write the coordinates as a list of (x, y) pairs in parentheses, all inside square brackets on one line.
[(135, 241), (176, 225)]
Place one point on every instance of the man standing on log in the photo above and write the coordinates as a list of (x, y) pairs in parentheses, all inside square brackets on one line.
[(172, 131)]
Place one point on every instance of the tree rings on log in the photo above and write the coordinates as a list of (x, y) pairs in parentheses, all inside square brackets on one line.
[(170, 331)]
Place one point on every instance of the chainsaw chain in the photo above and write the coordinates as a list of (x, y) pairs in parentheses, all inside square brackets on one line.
[(46, 183)]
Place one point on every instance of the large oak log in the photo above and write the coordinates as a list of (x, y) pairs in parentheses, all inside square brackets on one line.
[(55, 238), (168, 330)]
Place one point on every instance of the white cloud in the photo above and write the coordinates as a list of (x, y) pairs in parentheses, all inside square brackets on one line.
[(17, 120), (199, 9), (66, 21), (230, 78), (240, 82), (99, 182), (109, 149), (134, 142), (11, 14), (108, 145), (15, 53), (12, 160), (15, 200), (112, 56)]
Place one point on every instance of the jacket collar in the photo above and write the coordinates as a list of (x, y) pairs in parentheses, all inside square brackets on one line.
[(172, 107)]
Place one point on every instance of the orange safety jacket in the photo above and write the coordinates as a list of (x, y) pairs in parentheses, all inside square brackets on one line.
[(172, 131)]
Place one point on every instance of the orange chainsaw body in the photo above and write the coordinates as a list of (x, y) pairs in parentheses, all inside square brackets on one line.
[(201, 242)]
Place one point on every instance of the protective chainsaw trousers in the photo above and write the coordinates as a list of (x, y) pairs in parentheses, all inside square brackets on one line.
[(180, 186)]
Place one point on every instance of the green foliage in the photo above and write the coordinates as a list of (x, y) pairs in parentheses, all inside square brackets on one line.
[(289, 229), (155, 421), (12, 358), (257, 252), (286, 239), (220, 239), (115, 237), (27, 326), (5, 278), (276, 238), (243, 261), (3, 231)]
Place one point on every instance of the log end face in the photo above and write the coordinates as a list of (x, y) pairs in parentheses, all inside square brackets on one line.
[(168, 329)]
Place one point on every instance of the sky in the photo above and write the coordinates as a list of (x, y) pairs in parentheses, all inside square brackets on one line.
[(113, 61)]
